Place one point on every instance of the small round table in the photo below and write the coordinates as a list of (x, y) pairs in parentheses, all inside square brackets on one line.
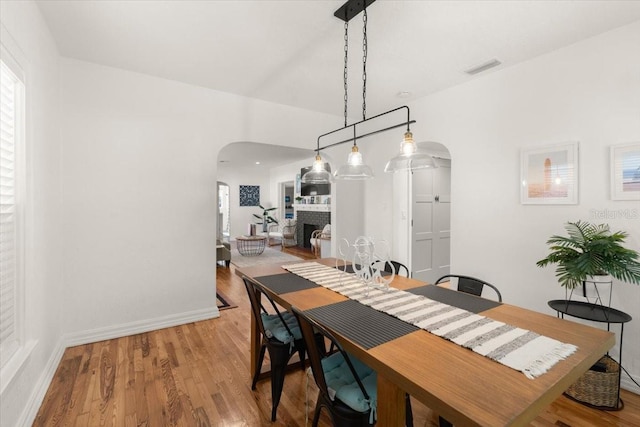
[(595, 313), (250, 245)]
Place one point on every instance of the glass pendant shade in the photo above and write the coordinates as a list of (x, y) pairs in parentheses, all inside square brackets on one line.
[(410, 157), (317, 174), (355, 168)]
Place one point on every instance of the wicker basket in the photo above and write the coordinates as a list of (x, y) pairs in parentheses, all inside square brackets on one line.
[(598, 388)]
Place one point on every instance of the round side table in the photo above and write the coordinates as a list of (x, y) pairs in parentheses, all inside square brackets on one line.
[(596, 313), (250, 245)]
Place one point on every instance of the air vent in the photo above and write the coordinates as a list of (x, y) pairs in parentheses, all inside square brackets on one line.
[(483, 67)]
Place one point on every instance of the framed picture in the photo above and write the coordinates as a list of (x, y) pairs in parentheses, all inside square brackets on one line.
[(249, 195), (625, 171), (549, 174)]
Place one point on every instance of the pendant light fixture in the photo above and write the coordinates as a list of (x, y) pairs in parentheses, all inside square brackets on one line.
[(410, 158), (355, 169), (318, 174)]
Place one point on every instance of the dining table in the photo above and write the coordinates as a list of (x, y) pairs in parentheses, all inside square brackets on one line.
[(459, 385)]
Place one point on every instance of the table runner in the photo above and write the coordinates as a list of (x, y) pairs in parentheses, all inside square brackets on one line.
[(349, 269), (517, 348)]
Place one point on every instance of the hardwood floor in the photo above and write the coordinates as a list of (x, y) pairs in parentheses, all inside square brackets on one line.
[(198, 375)]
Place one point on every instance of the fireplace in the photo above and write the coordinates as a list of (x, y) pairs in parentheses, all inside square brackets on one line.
[(308, 221), (307, 231)]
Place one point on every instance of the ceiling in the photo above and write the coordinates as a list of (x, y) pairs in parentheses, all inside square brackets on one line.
[(291, 52), (267, 156)]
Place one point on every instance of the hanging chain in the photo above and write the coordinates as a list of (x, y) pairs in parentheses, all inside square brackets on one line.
[(364, 65), (346, 61)]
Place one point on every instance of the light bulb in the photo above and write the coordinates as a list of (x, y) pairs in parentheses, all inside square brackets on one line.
[(355, 158), (408, 147), (317, 164)]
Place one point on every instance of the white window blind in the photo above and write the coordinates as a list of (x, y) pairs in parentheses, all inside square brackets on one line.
[(9, 98)]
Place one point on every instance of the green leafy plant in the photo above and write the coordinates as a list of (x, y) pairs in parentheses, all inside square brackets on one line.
[(591, 250), (265, 218)]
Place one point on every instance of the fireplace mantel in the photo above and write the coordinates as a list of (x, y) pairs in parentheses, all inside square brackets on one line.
[(312, 207)]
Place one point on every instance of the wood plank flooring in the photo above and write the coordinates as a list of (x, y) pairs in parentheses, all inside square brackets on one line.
[(198, 375)]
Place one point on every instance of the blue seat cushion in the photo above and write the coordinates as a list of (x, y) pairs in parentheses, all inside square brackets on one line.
[(343, 386), (274, 328)]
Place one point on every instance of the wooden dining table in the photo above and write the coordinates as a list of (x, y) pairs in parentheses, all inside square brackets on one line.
[(461, 386)]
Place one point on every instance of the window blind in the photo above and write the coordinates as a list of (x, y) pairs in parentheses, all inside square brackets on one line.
[(8, 253)]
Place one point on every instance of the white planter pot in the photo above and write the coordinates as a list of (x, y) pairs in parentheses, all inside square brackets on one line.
[(597, 287)]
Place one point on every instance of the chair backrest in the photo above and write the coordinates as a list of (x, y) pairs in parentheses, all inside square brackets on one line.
[(289, 227), (256, 306), (255, 292), (310, 328), (470, 285), (400, 269)]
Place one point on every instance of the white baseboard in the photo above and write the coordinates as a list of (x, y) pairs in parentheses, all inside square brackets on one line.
[(41, 387), (138, 327), (100, 334)]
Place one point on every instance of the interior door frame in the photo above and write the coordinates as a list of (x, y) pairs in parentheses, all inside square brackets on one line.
[(438, 151)]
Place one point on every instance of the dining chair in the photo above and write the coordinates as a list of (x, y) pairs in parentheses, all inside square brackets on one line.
[(281, 336), (400, 269), (470, 285), (347, 387)]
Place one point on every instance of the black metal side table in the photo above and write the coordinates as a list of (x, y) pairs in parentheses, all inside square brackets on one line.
[(596, 313)]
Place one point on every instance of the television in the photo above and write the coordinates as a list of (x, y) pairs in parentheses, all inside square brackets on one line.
[(307, 189)]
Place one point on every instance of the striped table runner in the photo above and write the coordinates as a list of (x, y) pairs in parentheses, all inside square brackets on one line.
[(519, 349)]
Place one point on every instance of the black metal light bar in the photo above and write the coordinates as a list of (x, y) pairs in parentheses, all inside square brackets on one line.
[(351, 8), (407, 124)]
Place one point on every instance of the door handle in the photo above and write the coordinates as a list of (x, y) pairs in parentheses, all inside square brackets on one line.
[(437, 198)]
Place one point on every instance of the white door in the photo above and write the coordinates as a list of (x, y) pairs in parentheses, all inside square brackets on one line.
[(430, 222)]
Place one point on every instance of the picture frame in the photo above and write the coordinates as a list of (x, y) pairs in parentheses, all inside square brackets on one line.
[(549, 174), (249, 195), (625, 171)]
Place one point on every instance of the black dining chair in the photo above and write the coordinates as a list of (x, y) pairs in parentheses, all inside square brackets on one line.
[(281, 337), (391, 266), (347, 387), (400, 269), (470, 285)]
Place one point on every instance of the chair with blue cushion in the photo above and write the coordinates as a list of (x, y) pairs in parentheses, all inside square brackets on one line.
[(347, 387), (281, 336)]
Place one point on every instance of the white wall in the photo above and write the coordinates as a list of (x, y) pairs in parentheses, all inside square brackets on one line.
[(139, 193), (27, 38)]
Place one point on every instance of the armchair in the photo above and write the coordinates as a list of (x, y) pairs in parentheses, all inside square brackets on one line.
[(223, 252), (320, 239), (285, 232)]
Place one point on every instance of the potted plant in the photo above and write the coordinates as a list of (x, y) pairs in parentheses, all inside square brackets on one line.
[(589, 251), (266, 218)]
